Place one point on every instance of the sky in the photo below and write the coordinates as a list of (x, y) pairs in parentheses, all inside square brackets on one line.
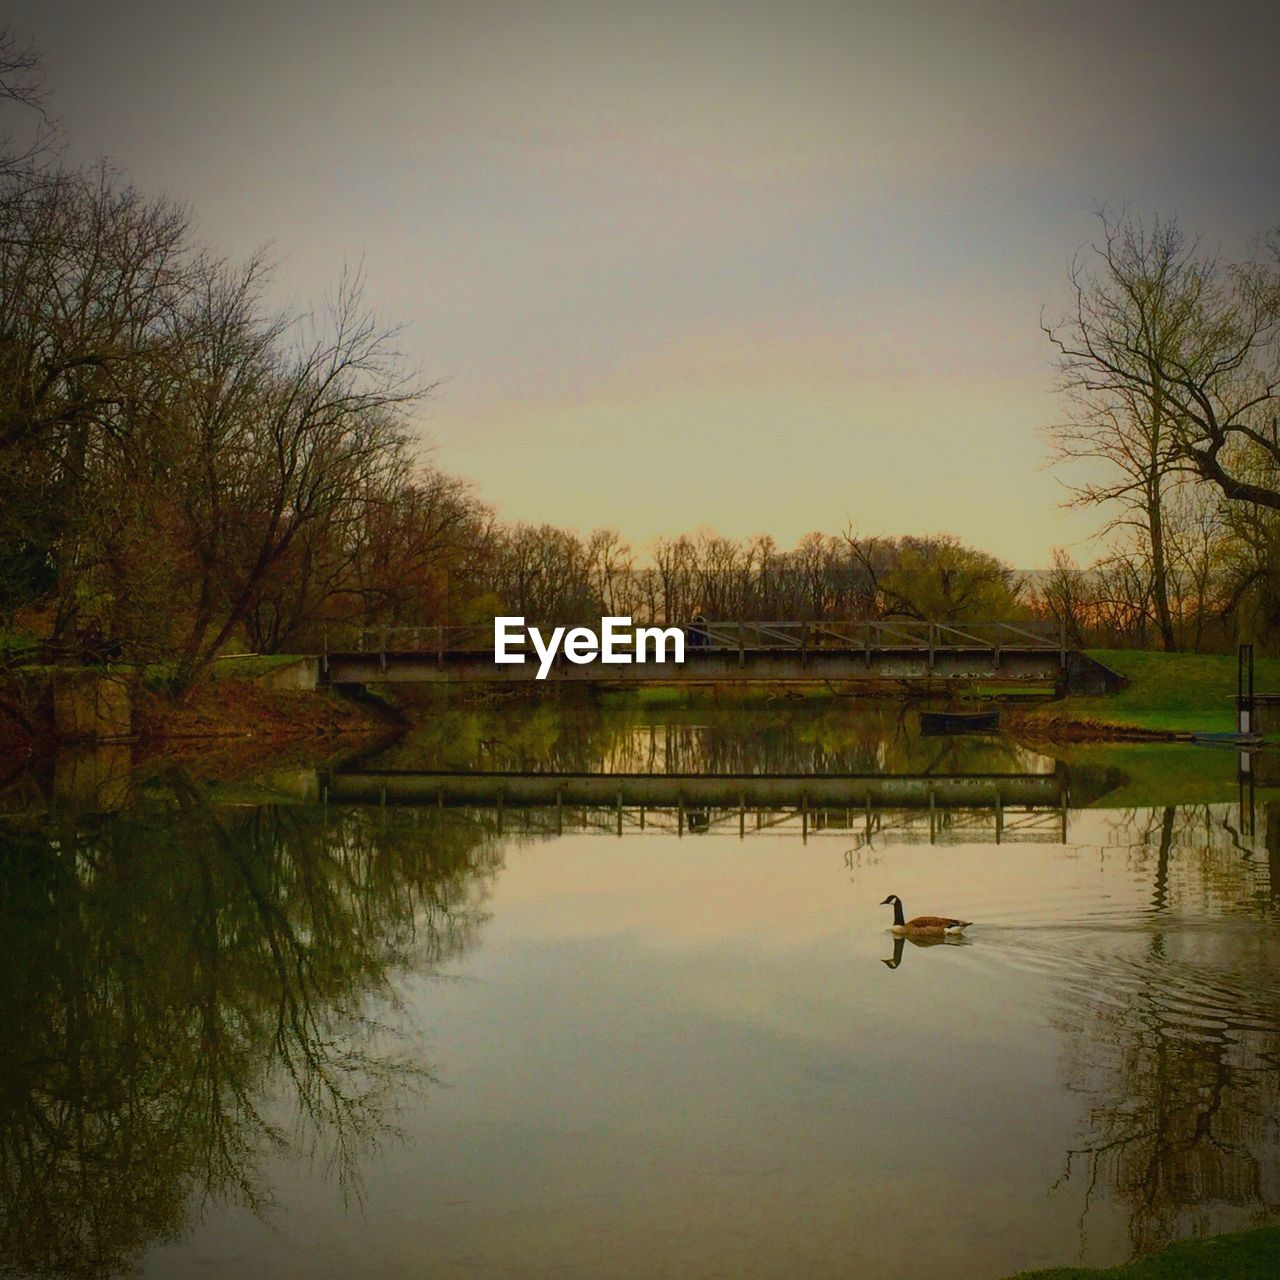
[(754, 267)]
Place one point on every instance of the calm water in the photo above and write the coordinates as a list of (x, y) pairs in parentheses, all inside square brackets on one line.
[(253, 1032)]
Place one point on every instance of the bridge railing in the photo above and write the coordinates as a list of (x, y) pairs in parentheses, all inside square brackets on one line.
[(876, 635), (872, 636)]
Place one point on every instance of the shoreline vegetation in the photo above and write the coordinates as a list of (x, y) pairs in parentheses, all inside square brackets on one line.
[(1241, 1255)]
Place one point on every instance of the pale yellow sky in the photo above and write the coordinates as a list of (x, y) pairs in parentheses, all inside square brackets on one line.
[(761, 267)]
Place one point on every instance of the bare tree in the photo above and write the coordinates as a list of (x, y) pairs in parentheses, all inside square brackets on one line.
[(1136, 310), (281, 434), (91, 277), (22, 155), (1194, 341)]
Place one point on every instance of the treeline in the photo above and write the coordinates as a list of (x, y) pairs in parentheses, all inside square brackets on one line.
[(549, 574), (186, 470)]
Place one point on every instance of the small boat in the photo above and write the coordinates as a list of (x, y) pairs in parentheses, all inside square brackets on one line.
[(958, 721)]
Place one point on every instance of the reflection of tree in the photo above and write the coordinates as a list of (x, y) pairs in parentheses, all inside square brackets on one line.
[(1175, 1041), (169, 969), (695, 735)]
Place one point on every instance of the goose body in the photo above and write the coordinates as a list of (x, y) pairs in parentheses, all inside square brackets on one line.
[(923, 926)]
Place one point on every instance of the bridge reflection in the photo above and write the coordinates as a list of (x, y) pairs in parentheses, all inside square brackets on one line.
[(913, 808)]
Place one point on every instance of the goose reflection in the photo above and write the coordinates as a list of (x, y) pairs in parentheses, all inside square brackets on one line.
[(900, 942)]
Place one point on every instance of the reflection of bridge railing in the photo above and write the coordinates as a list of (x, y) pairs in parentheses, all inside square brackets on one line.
[(898, 635), (970, 808)]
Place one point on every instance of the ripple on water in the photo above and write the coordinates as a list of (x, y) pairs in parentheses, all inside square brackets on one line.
[(1200, 975)]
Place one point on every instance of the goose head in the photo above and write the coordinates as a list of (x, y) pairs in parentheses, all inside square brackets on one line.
[(896, 903)]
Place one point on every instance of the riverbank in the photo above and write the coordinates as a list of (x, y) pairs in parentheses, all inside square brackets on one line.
[(1169, 696), (1245, 1255), (224, 706)]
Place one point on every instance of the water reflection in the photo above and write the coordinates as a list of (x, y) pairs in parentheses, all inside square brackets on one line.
[(1171, 1034), (190, 988), (201, 991), (899, 946), (575, 732)]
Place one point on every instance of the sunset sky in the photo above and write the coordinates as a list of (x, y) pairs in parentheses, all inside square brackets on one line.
[(761, 267)]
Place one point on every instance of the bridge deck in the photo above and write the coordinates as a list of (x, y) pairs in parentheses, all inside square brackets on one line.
[(718, 652)]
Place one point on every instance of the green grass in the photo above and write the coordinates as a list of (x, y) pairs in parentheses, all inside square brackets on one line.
[(1246, 1255), (1167, 693)]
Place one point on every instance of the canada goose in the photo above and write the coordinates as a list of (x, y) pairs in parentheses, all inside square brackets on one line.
[(925, 926)]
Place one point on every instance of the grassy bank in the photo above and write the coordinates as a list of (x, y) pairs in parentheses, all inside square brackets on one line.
[(1246, 1255), (1168, 695)]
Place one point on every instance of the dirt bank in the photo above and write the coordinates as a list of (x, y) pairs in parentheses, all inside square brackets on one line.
[(227, 709)]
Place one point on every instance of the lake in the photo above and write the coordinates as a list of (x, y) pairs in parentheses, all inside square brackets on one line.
[(381, 1019)]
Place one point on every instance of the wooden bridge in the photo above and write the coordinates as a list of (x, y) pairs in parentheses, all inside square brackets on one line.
[(733, 652)]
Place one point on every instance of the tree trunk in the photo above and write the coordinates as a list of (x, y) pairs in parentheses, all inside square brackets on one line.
[(1159, 570)]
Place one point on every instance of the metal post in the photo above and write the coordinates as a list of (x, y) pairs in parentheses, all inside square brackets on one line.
[(1244, 689)]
